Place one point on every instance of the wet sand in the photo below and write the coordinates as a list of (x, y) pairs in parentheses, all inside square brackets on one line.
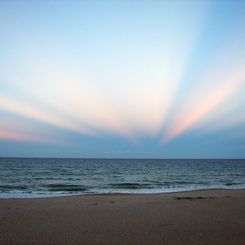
[(196, 217)]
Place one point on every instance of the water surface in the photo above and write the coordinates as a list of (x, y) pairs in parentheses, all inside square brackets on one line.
[(40, 177)]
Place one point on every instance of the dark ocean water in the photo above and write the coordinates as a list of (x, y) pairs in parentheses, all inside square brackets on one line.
[(33, 177)]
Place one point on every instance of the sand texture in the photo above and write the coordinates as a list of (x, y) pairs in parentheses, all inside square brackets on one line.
[(197, 217)]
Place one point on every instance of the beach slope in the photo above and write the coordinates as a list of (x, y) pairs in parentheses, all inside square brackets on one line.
[(196, 217)]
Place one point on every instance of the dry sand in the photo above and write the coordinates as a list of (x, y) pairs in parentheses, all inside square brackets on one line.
[(197, 217)]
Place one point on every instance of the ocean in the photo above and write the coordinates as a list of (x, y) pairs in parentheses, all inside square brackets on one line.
[(43, 177)]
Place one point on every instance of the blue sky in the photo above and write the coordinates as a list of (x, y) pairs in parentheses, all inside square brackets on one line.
[(143, 79)]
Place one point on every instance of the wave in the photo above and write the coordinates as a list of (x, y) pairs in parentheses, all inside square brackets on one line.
[(65, 187), (130, 185), (13, 187), (232, 183)]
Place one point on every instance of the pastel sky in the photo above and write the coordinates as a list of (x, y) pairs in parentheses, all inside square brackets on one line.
[(122, 79)]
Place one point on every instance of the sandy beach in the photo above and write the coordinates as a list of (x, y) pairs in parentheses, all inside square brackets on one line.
[(196, 217)]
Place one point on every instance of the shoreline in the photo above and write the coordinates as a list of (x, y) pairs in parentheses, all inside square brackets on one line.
[(118, 194), (210, 216)]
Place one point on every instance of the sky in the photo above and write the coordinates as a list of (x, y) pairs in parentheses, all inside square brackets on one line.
[(122, 79)]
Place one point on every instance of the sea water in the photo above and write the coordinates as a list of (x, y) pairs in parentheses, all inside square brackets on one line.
[(41, 177)]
